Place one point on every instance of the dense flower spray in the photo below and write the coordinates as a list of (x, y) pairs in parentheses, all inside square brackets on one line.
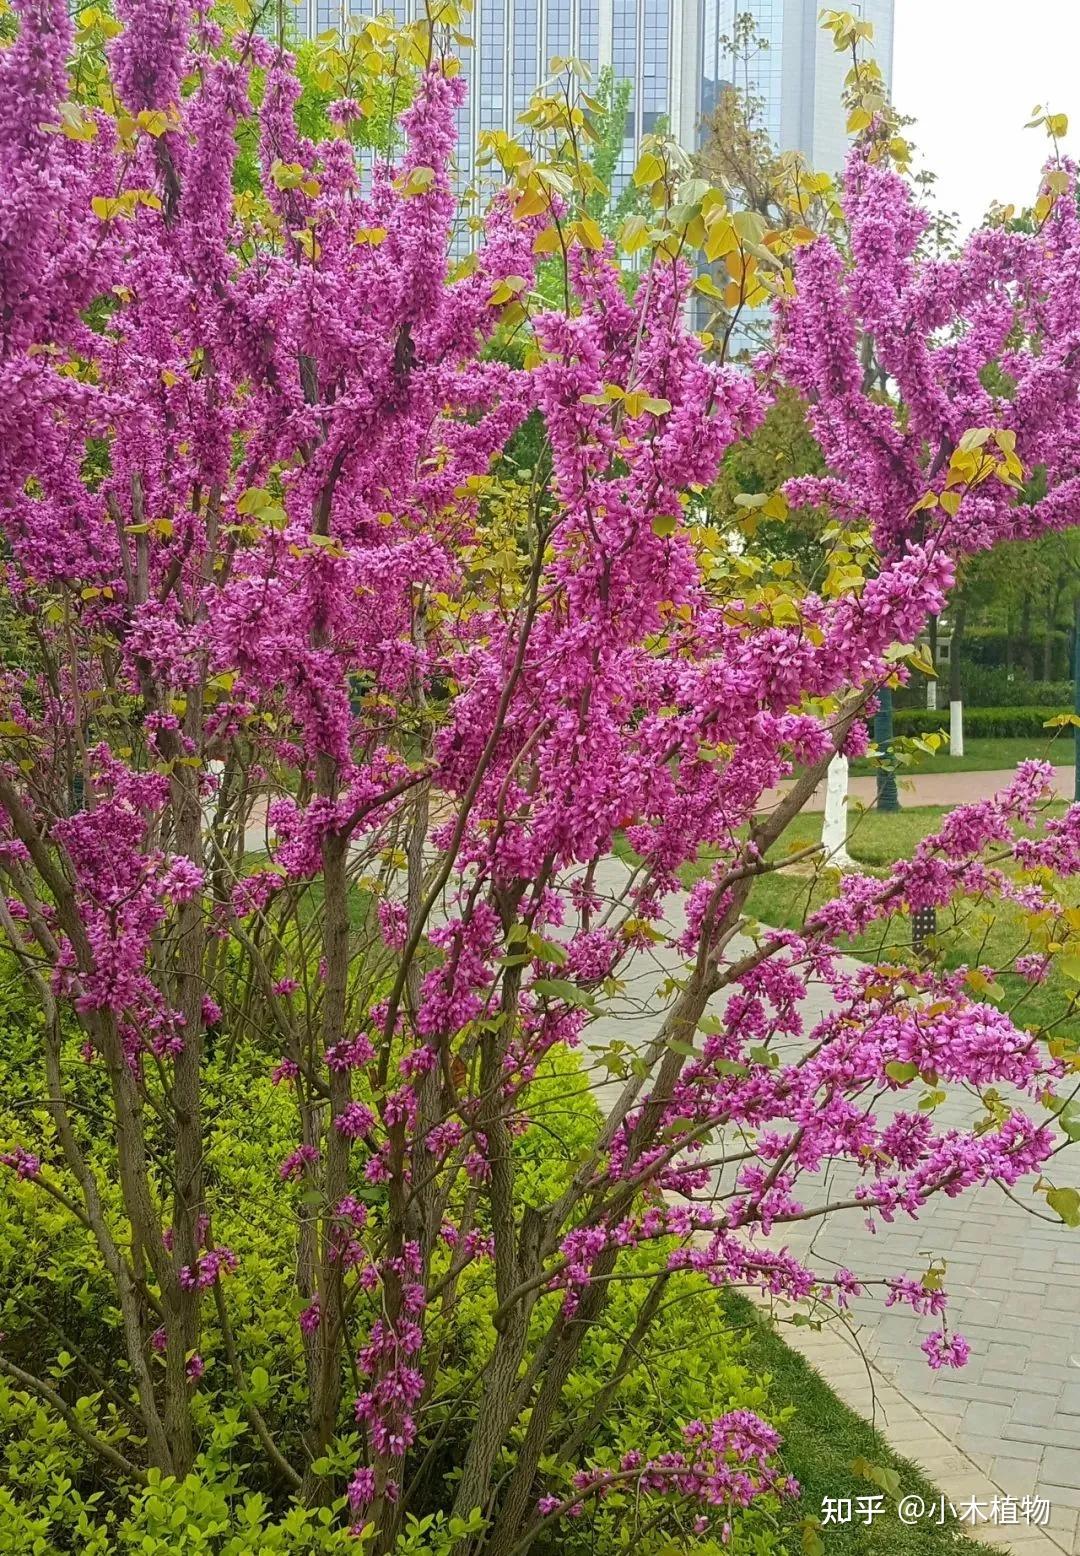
[(340, 707)]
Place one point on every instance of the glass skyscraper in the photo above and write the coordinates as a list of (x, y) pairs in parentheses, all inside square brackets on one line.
[(797, 74), (671, 51)]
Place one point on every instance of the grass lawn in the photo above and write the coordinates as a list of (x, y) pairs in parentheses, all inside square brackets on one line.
[(972, 933), (982, 756), (822, 1438)]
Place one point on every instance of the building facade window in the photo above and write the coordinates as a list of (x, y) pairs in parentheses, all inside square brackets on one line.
[(524, 19), (758, 71), (655, 63), (670, 51), (558, 35), (589, 33), (491, 38)]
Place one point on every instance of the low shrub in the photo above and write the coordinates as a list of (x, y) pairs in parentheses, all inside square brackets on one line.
[(983, 723), (994, 687), (628, 1392)]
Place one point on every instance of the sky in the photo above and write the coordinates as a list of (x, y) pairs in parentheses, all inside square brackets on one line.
[(970, 71)]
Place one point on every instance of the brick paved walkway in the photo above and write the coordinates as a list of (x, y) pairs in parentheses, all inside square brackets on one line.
[(943, 788), (915, 1434), (1013, 1413), (1008, 1422), (921, 789)]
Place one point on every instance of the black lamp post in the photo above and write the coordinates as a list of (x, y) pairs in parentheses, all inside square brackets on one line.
[(923, 929), (888, 797)]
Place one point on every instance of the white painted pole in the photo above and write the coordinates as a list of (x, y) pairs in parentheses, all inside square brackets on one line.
[(834, 829), (956, 729)]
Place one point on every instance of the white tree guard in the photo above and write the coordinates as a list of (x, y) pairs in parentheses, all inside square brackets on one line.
[(834, 830), (956, 729)]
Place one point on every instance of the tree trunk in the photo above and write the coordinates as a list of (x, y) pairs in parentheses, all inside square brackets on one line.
[(956, 692), (1048, 631), (326, 1354), (1027, 659)]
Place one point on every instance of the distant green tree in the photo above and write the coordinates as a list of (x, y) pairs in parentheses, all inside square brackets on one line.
[(612, 100), (331, 68), (609, 106), (781, 448)]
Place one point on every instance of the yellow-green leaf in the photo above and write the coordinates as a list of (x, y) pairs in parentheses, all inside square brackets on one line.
[(589, 234), (154, 121), (308, 244), (1066, 1204), (417, 181), (648, 170), (633, 234)]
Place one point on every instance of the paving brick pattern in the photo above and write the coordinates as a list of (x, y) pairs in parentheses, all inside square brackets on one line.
[(914, 1431), (1008, 1422), (941, 788), (1013, 1413)]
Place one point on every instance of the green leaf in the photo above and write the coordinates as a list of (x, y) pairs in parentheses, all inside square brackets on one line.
[(547, 950), (664, 524), (898, 1071), (729, 1067), (708, 288), (287, 175), (1066, 1204), (253, 500), (633, 234), (812, 1543), (561, 989), (590, 235), (369, 1193), (417, 181), (878, 1475), (648, 170)]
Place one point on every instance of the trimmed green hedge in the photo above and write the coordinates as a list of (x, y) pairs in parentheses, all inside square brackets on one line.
[(991, 688), (981, 723)]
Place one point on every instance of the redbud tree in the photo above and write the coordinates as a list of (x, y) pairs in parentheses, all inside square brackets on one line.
[(360, 610)]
